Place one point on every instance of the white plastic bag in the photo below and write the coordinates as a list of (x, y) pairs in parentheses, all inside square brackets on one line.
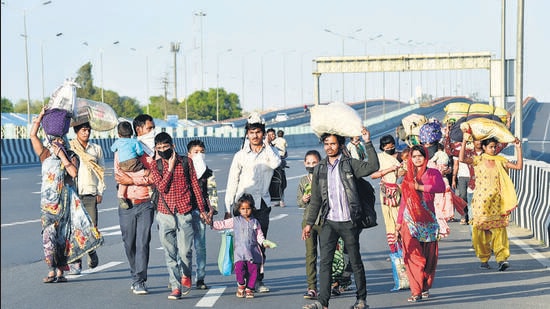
[(101, 116), (64, 97), (335, 118)]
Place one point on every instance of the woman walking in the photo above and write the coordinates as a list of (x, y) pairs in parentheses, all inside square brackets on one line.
[(493, 201), (417, 224)]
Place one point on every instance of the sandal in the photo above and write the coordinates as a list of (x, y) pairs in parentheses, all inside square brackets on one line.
[(50, 279), (425, 294), (414, 298), (60, 277), (463, 221)]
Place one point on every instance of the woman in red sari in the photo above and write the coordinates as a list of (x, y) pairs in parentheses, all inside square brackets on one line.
[(416, 222)]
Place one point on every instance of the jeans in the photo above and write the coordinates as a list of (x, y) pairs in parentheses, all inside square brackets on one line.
[(330, 232), (199, 243), (135, 225), (176, 236)]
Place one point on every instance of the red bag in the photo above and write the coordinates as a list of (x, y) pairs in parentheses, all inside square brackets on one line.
[(56, 121)]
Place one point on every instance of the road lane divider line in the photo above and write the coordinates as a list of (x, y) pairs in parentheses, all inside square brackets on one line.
[(20, 223), (95, 270), (211, 297), (278, 217)]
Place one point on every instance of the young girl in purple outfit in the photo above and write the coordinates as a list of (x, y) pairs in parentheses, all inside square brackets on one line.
[(247, 241)]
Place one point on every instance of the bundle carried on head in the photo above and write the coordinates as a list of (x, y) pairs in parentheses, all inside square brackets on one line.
[(483, 128), (335, 118), (60, 109)]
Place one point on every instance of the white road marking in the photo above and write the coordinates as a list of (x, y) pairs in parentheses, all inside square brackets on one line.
[(278, 217), (20, 223), (532, 252), (211, 297), (95, 270)]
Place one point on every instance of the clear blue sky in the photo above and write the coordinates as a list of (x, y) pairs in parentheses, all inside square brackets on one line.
[(286, 34)]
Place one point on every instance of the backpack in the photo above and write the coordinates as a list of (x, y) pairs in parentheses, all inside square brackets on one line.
[(367, 199), (155, 195)]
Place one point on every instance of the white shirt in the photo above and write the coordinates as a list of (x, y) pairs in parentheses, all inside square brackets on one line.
[(251, 173), (88, 183)]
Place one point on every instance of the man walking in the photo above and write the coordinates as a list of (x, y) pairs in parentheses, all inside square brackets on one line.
[(250, 172), (136, 221), (334, 195), (178, 187), (90, 182)]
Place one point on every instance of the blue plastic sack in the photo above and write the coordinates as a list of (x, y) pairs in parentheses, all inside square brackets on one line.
[(225, 256), (400, 279)]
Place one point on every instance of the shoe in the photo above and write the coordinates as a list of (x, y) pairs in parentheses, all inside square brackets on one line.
[(123, 203), (425, 294), (201, 285), (240, 291), (139, 288), (75, 269), (93, 259), (360, 304), (310, 294), (249, 293), (262, 288), (414, 298), (502, 266), (484, 265), (185, 285), (315, 305), (176, 294)]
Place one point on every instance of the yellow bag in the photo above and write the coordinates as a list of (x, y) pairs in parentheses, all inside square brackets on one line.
[(412, 123), (483, 128), (455, 111), (480, 109), (501, 113)]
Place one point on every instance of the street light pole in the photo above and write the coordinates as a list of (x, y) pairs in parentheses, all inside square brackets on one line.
[(218, 84), (344, 37), (201, 14)]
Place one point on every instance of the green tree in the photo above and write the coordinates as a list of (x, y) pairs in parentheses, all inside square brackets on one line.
[(86, 82), (7, 106), (21, 107), (202, 105)]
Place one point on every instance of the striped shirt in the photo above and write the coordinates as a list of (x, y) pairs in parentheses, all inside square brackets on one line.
[(337, 200)]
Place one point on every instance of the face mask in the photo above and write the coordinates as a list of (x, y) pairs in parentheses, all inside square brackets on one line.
[(148, 140), (390, 151), (199, 164), (165, 154), (309, 169)]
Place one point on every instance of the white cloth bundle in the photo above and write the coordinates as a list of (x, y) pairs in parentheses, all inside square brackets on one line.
[(335, 118)]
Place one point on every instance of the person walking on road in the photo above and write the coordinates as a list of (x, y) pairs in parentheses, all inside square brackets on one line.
[(417, 224), (136, 221), (177, 186), (90, 181), (311, 160), (207, 183), (61, 213), (338, 178), (251, 172), (248, 240), (493, 201)]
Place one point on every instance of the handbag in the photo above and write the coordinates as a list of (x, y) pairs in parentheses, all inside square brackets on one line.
[(391, 194), (56, 121), (225, 256)]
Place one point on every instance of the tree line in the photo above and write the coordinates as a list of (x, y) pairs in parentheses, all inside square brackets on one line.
[(201, 105)]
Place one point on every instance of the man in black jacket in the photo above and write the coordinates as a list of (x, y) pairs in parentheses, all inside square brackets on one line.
[(334, 194)]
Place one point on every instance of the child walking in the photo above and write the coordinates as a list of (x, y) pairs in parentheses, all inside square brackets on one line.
[(248, 238), (311, 159), (128, 150)]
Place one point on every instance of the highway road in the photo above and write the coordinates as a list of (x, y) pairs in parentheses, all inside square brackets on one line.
[(459, 282)]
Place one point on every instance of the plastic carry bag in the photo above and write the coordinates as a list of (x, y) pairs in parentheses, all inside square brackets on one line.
[(400, 279), (101, 116), (413, 123), (225, 256), (335, 118)]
